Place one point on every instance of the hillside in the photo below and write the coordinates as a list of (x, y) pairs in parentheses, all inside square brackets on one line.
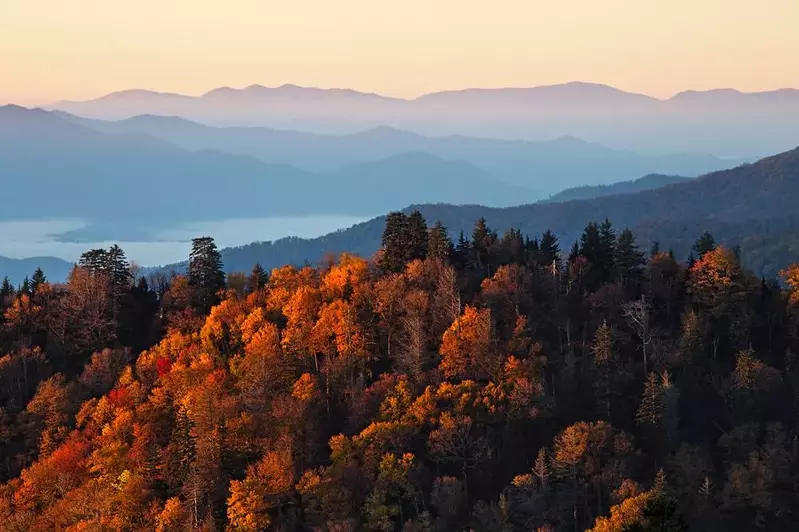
[(751, 204), (17, 269), (544, 166), (648, 182)]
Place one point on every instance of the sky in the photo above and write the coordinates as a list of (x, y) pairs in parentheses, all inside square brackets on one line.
[(81, 49)]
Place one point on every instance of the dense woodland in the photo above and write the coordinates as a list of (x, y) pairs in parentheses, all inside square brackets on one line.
[(493, 383)]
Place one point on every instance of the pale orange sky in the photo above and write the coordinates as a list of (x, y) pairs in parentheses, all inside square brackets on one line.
[(79, 49)]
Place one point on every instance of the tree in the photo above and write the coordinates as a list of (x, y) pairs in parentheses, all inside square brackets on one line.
[(37, 280), (439, 244), (549, 248), (604, 359), (703, 245), (417, 237), (466, 349), (637, 314), (629, 260), (25, 287), (206, 276), (596, 247), (6, 290), (257, 279), (394, 243)]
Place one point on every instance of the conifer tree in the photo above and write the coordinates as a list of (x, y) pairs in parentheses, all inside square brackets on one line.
[(549, 248), (25, 287), (439, 244), (94, 260), (650, 411), (118, 270), (463, 252), (417, 239), (257, 279), (205, 276), (703, 244), (37, 280), (6, 289), (629, 260), (394, 243)]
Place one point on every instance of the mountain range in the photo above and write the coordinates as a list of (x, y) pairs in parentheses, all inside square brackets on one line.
[(129, 184), (752, 206), (724, 122), (131, 178), (648, 182), (545, 166)]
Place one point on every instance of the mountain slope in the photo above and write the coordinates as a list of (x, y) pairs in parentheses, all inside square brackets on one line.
[(16, 270), (648, 182), (132, 181), (546, 166), (752, 204), (724, 122)]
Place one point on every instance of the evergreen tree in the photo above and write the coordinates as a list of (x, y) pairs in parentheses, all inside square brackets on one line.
[(650, 411), (25, 287), (512, 247), (6, 289), (118, 270), (205, 274), (574, 252), (257, 279), (94, 260), (703, 244), (482, 241), (550, 249), (463, 252), (37, 280), (394, 243), (417, 237), (629, 260), (607, 238), (439, 244)]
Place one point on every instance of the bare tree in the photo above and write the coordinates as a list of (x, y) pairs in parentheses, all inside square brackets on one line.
[(637, 314)]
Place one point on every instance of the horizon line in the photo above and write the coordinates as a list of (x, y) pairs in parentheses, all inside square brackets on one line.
[(256, 86)]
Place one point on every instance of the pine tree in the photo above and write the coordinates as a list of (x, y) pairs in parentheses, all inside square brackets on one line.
[(205, 276), (25, 287), (463, 252), (394, 243), (549, 248), (118, 270), (650, 411), (6, 289), (417, 237), (482, 240), (94, 260), (604, 361), (703, 244), (629, 260), (439, 244), (37, 280), (257, 279)]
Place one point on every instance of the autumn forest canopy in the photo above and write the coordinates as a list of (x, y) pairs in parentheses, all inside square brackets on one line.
[(449, 382)]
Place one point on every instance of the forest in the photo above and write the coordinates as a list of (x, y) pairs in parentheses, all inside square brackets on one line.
[(479, 382)]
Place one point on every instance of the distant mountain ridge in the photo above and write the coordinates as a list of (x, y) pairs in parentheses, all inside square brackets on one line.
[(17, 269), (751, 205), (545, 167), (648, 182), (724, 122), (132, 181)]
